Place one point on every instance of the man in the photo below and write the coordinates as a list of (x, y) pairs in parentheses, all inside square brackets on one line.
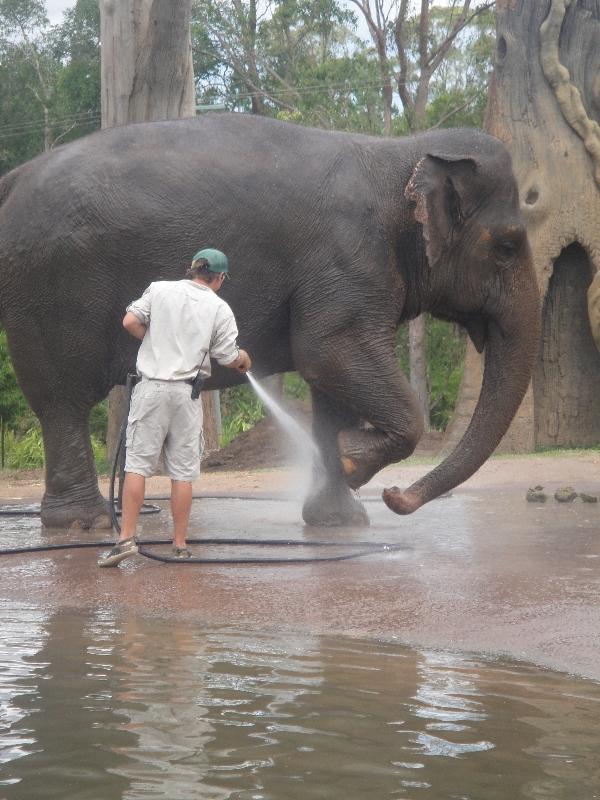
[(182, 325)]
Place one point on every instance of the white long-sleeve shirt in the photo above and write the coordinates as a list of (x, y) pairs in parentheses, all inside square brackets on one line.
[(185, 322)]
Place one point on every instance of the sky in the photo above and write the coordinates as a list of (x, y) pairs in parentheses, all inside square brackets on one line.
[(55, 9)]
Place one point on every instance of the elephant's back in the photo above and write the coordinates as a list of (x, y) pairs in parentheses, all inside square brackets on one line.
[(132, 204), (181, 168)]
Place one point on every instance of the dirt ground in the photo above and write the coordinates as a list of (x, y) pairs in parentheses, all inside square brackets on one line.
[(266, 446), (581, 469), (258, 459)]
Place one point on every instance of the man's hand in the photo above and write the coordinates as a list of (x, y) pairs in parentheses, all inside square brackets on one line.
[(242, 363), (133, 325)]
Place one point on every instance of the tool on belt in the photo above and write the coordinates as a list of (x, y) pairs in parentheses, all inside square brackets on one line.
[(197, 382)]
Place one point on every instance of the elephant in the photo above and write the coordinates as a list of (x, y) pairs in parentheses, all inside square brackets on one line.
[(334, 240)]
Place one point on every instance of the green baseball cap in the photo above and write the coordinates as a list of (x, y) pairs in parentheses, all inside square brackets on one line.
[(217, 261)]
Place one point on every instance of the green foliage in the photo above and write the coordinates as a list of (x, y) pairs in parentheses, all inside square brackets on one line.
[(295, 386), (303, 61), (76, 46), (240, 411), (100, 455), (13, 405), (49, 78), (445, 350), (26, 450), (299, 60), (99, 421), (458, 93)]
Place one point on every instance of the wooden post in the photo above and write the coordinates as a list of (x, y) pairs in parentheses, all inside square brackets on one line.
[(147, 74)]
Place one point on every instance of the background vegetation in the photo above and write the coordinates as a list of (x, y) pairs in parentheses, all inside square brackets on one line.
[(359, 65)]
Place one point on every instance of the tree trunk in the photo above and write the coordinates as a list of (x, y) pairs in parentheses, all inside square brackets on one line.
[(147, 74), (147, 69), (545, 105), (418, 366), (416, 327)]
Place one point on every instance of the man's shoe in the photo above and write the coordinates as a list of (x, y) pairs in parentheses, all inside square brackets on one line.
[(181, 553), (124, 549)]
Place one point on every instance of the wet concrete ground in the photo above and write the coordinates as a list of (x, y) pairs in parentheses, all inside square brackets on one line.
[(482, 571)]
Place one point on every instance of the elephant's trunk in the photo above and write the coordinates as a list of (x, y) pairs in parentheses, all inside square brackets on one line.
[(511, 349)]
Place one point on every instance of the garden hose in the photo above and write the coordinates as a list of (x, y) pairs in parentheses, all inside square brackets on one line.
[(359, 549), (366, 548)]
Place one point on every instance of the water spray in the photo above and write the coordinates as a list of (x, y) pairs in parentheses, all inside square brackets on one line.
[(296, 432)]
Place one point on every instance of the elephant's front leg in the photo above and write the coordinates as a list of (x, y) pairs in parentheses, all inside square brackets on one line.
[(361, 374), (331, 503), (72, 498)]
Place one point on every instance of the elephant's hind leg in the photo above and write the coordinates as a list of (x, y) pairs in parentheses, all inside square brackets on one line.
[(72, 498)]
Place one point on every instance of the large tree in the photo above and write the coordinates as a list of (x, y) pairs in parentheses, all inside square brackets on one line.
[(147, 74), (412, 46), (297, 60), (545, 104)]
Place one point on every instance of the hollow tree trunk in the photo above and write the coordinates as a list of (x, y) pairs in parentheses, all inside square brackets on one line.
[(147, 74), (545, 105)]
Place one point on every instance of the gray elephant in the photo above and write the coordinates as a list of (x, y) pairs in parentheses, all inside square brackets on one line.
[(334, 240)]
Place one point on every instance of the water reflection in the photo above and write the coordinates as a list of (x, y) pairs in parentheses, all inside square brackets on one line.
[(120, 706), (23, 636)]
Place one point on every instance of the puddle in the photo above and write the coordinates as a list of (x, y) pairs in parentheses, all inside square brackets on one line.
[(106, 704)]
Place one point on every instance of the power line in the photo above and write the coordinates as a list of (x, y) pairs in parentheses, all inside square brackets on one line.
[(310, 89), (42, 128), (23, 126), (84, 118), (36, 126)]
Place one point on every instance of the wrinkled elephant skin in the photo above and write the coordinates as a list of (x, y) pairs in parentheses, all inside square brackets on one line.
[(334, 240)]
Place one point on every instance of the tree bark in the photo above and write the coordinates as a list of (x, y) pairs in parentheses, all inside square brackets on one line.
[(147, 74), (545, 105), (147, 69), (418, 366)]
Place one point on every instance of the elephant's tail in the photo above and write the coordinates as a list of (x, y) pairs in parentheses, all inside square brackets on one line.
[(6, 184)]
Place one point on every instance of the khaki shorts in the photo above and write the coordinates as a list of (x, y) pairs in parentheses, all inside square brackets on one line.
[(164, 418)]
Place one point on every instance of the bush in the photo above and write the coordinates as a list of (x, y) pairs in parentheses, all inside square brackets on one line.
[(26, 451), (240, 410), (295, 386)]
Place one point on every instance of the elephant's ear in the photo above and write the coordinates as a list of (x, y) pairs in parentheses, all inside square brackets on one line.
[(438, 189)]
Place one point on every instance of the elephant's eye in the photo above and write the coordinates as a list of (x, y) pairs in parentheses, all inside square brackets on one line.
[(506, 249)]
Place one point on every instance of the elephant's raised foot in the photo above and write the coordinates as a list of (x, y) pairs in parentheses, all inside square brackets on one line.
[(335, 509), (359, 456), (74, 517)]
